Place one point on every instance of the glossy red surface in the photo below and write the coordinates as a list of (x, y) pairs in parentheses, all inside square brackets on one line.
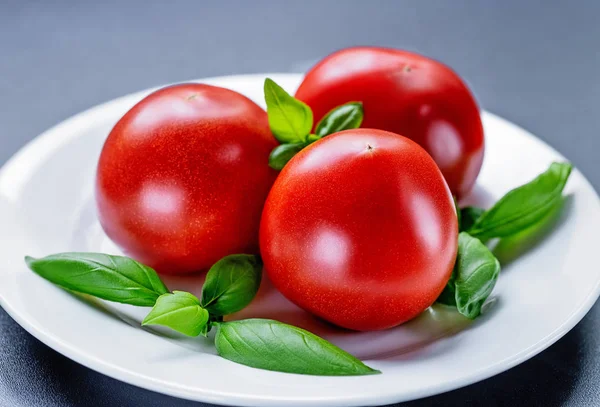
[(183, 176), (360, 229), (408, 94)]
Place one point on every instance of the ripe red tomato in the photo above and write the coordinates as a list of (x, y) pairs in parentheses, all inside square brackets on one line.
[(407, 94), (183, 177), (360, 229)]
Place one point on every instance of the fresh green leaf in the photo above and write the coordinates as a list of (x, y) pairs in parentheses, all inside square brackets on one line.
[(180, 311), (284, 153), (475, 275), (231, 284), (344, 117), (272, 345), (523, 206), (112, 278), (290, 119), (468, 217)]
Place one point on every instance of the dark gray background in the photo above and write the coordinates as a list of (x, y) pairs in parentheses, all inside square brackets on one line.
[(536, 63)]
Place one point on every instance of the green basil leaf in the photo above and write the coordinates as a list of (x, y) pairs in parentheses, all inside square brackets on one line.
[(284, 153), (523, 206), (180, 311), (344, 117), (231, 284), (272, 345), (290, 119), (468, 217), (112, 278), (475, 274)]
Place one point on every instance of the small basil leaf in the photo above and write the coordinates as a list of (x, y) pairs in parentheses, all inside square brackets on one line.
[(344, 117), (231, 284), (284, 153), (290, 119), (180, 311), (523, 206), (272, 345), (468, 217), (475, 275), (112, 278)]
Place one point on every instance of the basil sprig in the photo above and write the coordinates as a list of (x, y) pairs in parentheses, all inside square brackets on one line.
[(112, 278), (476, 269), (523, 206), (291, 121), (230, 285), (272, 345)]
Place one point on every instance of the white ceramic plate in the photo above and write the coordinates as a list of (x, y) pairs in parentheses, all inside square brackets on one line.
[(46, 206)]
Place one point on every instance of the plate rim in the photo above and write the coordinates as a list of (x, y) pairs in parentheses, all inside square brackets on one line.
[(53, 135)]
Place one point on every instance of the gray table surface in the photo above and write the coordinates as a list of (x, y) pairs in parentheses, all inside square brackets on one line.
[(536, 63)]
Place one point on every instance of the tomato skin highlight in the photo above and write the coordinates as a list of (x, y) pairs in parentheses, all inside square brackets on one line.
[(360, 229), (183, 176), (407, 94)]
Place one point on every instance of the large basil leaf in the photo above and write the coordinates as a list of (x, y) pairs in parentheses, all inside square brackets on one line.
[(112, 278), (272, 345), (523, 206)]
